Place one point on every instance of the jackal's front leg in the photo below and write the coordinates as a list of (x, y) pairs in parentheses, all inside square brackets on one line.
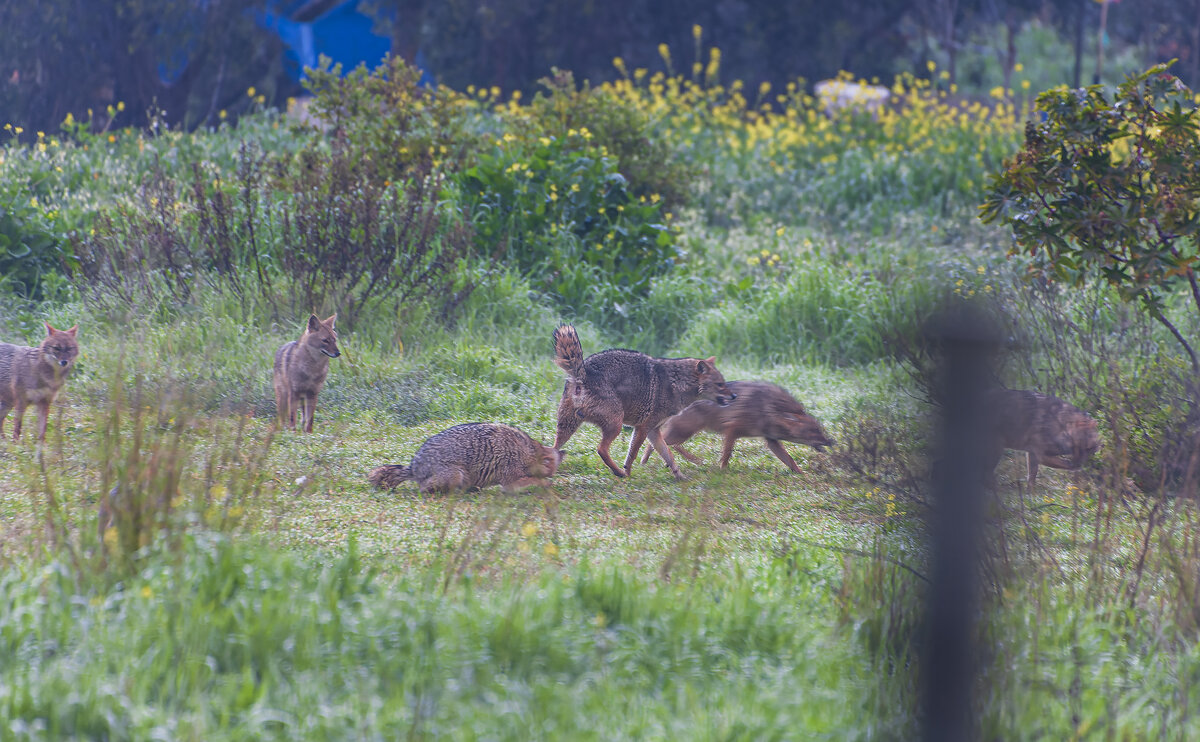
[(782, 454), (310, 413), (18, 416), (635, 445), (660, 445), (43, 413)]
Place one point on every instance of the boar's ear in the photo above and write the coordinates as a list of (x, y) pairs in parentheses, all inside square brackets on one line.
[(331, 321), (73, 330), (314, 324)]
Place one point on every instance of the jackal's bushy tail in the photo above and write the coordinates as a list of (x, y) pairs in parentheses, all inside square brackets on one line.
[(568, 352), (390, 476)]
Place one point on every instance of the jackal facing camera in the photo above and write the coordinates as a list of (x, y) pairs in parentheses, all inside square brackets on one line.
[(34, 376), (301, 368)]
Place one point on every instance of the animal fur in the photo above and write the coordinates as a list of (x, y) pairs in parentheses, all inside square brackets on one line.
[(301, 368), (1052, 432), (762, 409), (474, 456), (624, 387), (35, 376)]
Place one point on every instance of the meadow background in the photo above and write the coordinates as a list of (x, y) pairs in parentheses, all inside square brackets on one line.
[(253, 584)]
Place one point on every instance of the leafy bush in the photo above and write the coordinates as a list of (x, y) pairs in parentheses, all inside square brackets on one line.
[(30, 243), (1104, 190), (626, 131), (317, 232), (386, 117), (559, 210)]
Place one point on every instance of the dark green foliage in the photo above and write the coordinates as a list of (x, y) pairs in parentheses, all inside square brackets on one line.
[(643, 156), (1106, 190), (558, 209), (31, 244), (384, 117)]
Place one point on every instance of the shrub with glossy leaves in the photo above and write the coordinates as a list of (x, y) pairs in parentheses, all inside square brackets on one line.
[(1105, 189)]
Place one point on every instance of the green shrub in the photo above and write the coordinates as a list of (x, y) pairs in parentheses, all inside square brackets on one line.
[(30, 246), (558, 210), (627, 131), (315, 232), (386, 117)]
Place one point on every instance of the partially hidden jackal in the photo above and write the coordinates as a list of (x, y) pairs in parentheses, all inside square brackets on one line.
[(1052, 432), (624, 387), (301, 368), (34, 376), (474, 456), (762, 410)]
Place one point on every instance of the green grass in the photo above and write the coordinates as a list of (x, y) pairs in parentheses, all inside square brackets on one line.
[(265, 590)]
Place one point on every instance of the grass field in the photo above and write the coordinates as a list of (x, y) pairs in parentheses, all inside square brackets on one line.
[(258, 587)]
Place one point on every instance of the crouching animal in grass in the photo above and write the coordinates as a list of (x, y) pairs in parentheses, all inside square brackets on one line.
[(624, 387), (762, 409), (1052, 432), (301, 368), (474, 456), (34, 376)]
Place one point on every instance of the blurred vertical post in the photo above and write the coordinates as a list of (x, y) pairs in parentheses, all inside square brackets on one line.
[(966, 344)]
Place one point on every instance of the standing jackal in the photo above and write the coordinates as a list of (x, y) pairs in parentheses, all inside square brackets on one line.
[(623, 387), (474, 456), (763, 409), (1051, 432), (301, 368), (34, 376)]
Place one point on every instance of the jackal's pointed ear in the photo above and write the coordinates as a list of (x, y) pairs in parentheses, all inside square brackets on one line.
[(314, 324), (703, 367), (74, 329), (331, 321), (49, 328)]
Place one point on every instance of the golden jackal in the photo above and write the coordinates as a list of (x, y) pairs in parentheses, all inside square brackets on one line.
[(473, 456), (301, 367), (34, 376), (762, 409), (623, 387), (1051, 432)]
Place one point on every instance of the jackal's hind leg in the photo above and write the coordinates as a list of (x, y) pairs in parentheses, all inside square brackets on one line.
[(609, 430), (446, 479)]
